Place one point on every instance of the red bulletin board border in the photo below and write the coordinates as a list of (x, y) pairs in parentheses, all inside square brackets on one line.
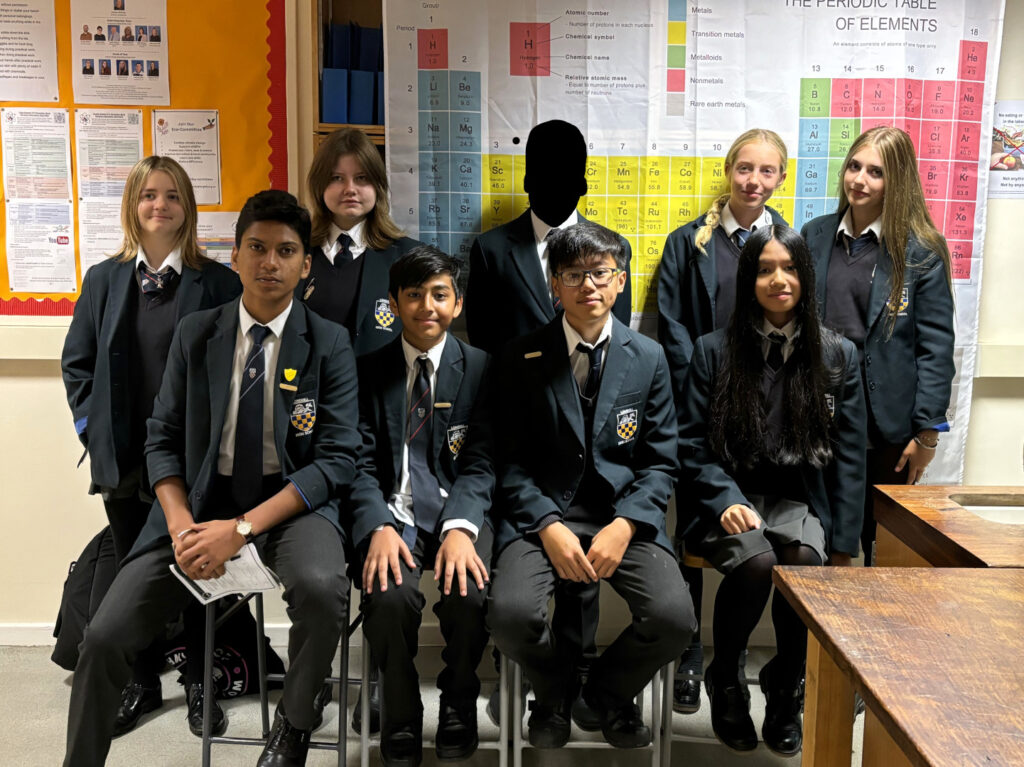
[(277, 124)]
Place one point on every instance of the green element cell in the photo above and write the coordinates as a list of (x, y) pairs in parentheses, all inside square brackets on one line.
[(835, 165), (841, 135), (677, 57), (815, 97)]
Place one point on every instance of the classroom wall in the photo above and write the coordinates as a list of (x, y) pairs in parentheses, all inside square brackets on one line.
[(47, 517)]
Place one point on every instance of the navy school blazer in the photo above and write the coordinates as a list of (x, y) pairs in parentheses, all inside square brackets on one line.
[(508, 294), (909, 374), (376, 324), (184, 432), (95, 362), (541, 441), (687, 283), (835, 494), (462, 448)]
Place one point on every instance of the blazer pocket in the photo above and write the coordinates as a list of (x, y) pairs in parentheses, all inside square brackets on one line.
[(623, 400), (302, 418)]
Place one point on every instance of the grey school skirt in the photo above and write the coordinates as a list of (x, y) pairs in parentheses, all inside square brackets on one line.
[(782, 522)]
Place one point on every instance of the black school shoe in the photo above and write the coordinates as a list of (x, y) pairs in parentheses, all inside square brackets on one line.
[(456, 736), (730, 710), (323, 697), (136, 700), (686, 694), (287, 746), (622, 726), (782, 730), (195, 698), (402, 748), (548, 725)]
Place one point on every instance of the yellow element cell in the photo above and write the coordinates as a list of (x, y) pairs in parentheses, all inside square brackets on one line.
[(684, 172), (495, 210), (595, 208), (623, 175), (520, 173), (520, 203), (597, 175), (654, 175), (500, 173), (788, 187), (649, 255), (677, 33), (683, 211), (645, 294), (785, 207), (654, 215), (622, 215), (712, 177)]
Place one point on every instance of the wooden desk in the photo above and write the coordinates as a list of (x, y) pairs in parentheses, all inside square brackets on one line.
[(926, 526), (935, 654)]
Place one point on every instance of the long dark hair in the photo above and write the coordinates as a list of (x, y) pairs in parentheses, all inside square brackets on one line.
[(738, 418)]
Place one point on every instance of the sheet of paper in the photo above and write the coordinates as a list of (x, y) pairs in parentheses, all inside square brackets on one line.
[(1006, 161), (192, 137), (217, 234), (28, 51), (243, 573)]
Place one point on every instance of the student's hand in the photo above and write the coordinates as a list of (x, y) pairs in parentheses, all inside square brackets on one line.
[(202, 554), (566, 555), (456, 555), (386, 546), (608, 546), (739, 519), (840, 559), (916, 458)]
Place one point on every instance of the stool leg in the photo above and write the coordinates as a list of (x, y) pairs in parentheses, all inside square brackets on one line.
[(503, 713), (261, 665), (517, 715), (364, 702), (656, 718), (666, 717), (211, 619), (343, 689)]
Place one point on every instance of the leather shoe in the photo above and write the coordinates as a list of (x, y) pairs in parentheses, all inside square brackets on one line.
[(548, 725), (194, 698), (782, 730), (402, 748), (624, 727), (586, 718), (136, 700), (287, 746), (686, 694), (730, 710), (456, 736), (357, 712), (323, 697)]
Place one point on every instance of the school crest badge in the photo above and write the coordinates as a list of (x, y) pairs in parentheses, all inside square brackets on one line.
[(457, 438), (383, 314), (303, 415), (830, 403), (904, 302), (626, 424)]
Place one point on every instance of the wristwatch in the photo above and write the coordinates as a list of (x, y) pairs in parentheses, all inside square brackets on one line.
[(243, 527)]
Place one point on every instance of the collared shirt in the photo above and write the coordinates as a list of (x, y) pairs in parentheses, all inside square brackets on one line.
[(729, 223), (540, 233), (846, 227), (173, 261), (789, 330), (331, 248), (271, 351), (400, 502), (578, 361)]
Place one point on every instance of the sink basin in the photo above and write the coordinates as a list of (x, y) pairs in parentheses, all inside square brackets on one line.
[(1004, 509)]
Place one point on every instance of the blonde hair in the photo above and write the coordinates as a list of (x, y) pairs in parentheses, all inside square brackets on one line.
[(380, 229), (904, 213), (714, 215), (187, 240)]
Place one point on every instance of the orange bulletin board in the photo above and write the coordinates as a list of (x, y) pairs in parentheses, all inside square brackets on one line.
[(227, 55)]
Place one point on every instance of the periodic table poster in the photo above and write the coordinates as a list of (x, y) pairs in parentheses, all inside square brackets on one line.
[(661, 89)]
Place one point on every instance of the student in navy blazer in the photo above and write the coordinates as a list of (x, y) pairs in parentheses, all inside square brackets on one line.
[(394, 511), (113, 361), (696, 293), (586, 470), (884, 281), (356, 241), (215, 491)]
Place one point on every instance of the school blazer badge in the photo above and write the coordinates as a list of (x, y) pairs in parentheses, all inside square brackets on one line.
[(626, 424), (457, 438), (303, 415), (383, 314)]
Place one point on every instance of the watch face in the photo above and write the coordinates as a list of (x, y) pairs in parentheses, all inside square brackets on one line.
[(244, 528)]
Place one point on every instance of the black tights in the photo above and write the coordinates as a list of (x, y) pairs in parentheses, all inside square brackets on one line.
[(741, 600)]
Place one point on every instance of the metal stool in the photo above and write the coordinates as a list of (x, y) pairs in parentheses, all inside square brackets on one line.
[(341, 681), (661, 716)]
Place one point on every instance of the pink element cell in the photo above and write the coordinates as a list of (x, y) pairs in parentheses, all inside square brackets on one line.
[(908, 98), (962, 253), (936, 140), (963, 182), (969, 97), (934, 178), (846, 97), (873, 122), (939, 99), (972, 60), (879, 98), (968, 140), (529, 49), (432, 48), (960, 221), (913, 129), (677, 81), (937, 210)]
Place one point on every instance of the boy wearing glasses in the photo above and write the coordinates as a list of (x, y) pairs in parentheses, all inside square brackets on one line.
[(587, 441)]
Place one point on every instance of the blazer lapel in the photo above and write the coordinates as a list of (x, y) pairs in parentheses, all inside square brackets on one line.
[(374, 274), (121, 285), (879, 294), (293, 355), (523, 253), (220, 353), (190, 291), (618, 361), (706, 267), (820, 242), (446, 391), (562, 382), (393, 399)]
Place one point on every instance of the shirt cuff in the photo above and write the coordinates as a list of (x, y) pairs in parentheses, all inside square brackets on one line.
[(460, 524)]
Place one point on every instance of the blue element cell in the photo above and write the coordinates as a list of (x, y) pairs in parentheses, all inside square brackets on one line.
[(812, 178), (813, 137), (434, 213), (808, 209), (465, 128), (464, 88), (465, 172), (461, 245), (433, 85), (439, 240), (434, 172), (465, 213), (434, 133)]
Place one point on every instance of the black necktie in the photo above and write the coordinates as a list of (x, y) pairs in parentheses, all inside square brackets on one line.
[(776, 340), (593, 382), (740, 236), (247, 466), (344, 256), (426, 493), (154, 283), (856, 246)]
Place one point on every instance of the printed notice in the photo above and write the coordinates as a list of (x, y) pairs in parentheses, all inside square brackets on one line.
[(108, 144), (37, 185), (1006, 158), (217, 234), (28, 51), (192, 137)]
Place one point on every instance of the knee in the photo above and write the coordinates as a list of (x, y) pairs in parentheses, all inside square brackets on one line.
[(512, 621), (383, 610), (672, 621), (318, 590)]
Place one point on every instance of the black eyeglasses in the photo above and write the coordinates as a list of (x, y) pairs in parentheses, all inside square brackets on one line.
[(601, 276)]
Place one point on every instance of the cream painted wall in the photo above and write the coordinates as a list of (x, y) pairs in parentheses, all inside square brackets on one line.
[(47, 517)]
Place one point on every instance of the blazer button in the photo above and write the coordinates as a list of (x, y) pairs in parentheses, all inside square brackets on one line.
[(871, 385), (198, 495), (567, 495), (867, 359)]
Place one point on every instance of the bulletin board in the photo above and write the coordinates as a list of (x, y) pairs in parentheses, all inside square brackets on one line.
[(227, 55)]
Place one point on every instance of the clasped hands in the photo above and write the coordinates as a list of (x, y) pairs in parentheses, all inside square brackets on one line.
[(202, 548), (602, 559)]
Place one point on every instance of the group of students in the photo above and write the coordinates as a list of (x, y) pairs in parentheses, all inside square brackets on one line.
[(312, 401)]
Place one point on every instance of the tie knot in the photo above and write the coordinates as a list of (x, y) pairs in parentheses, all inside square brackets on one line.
[(741, 236), (424, 365), (344, 240), (594, 352), (259, 334), (551, 233), (777, 338)]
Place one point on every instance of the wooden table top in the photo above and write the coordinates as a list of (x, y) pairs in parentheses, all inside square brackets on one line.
[(937, 654), (931, 520)]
